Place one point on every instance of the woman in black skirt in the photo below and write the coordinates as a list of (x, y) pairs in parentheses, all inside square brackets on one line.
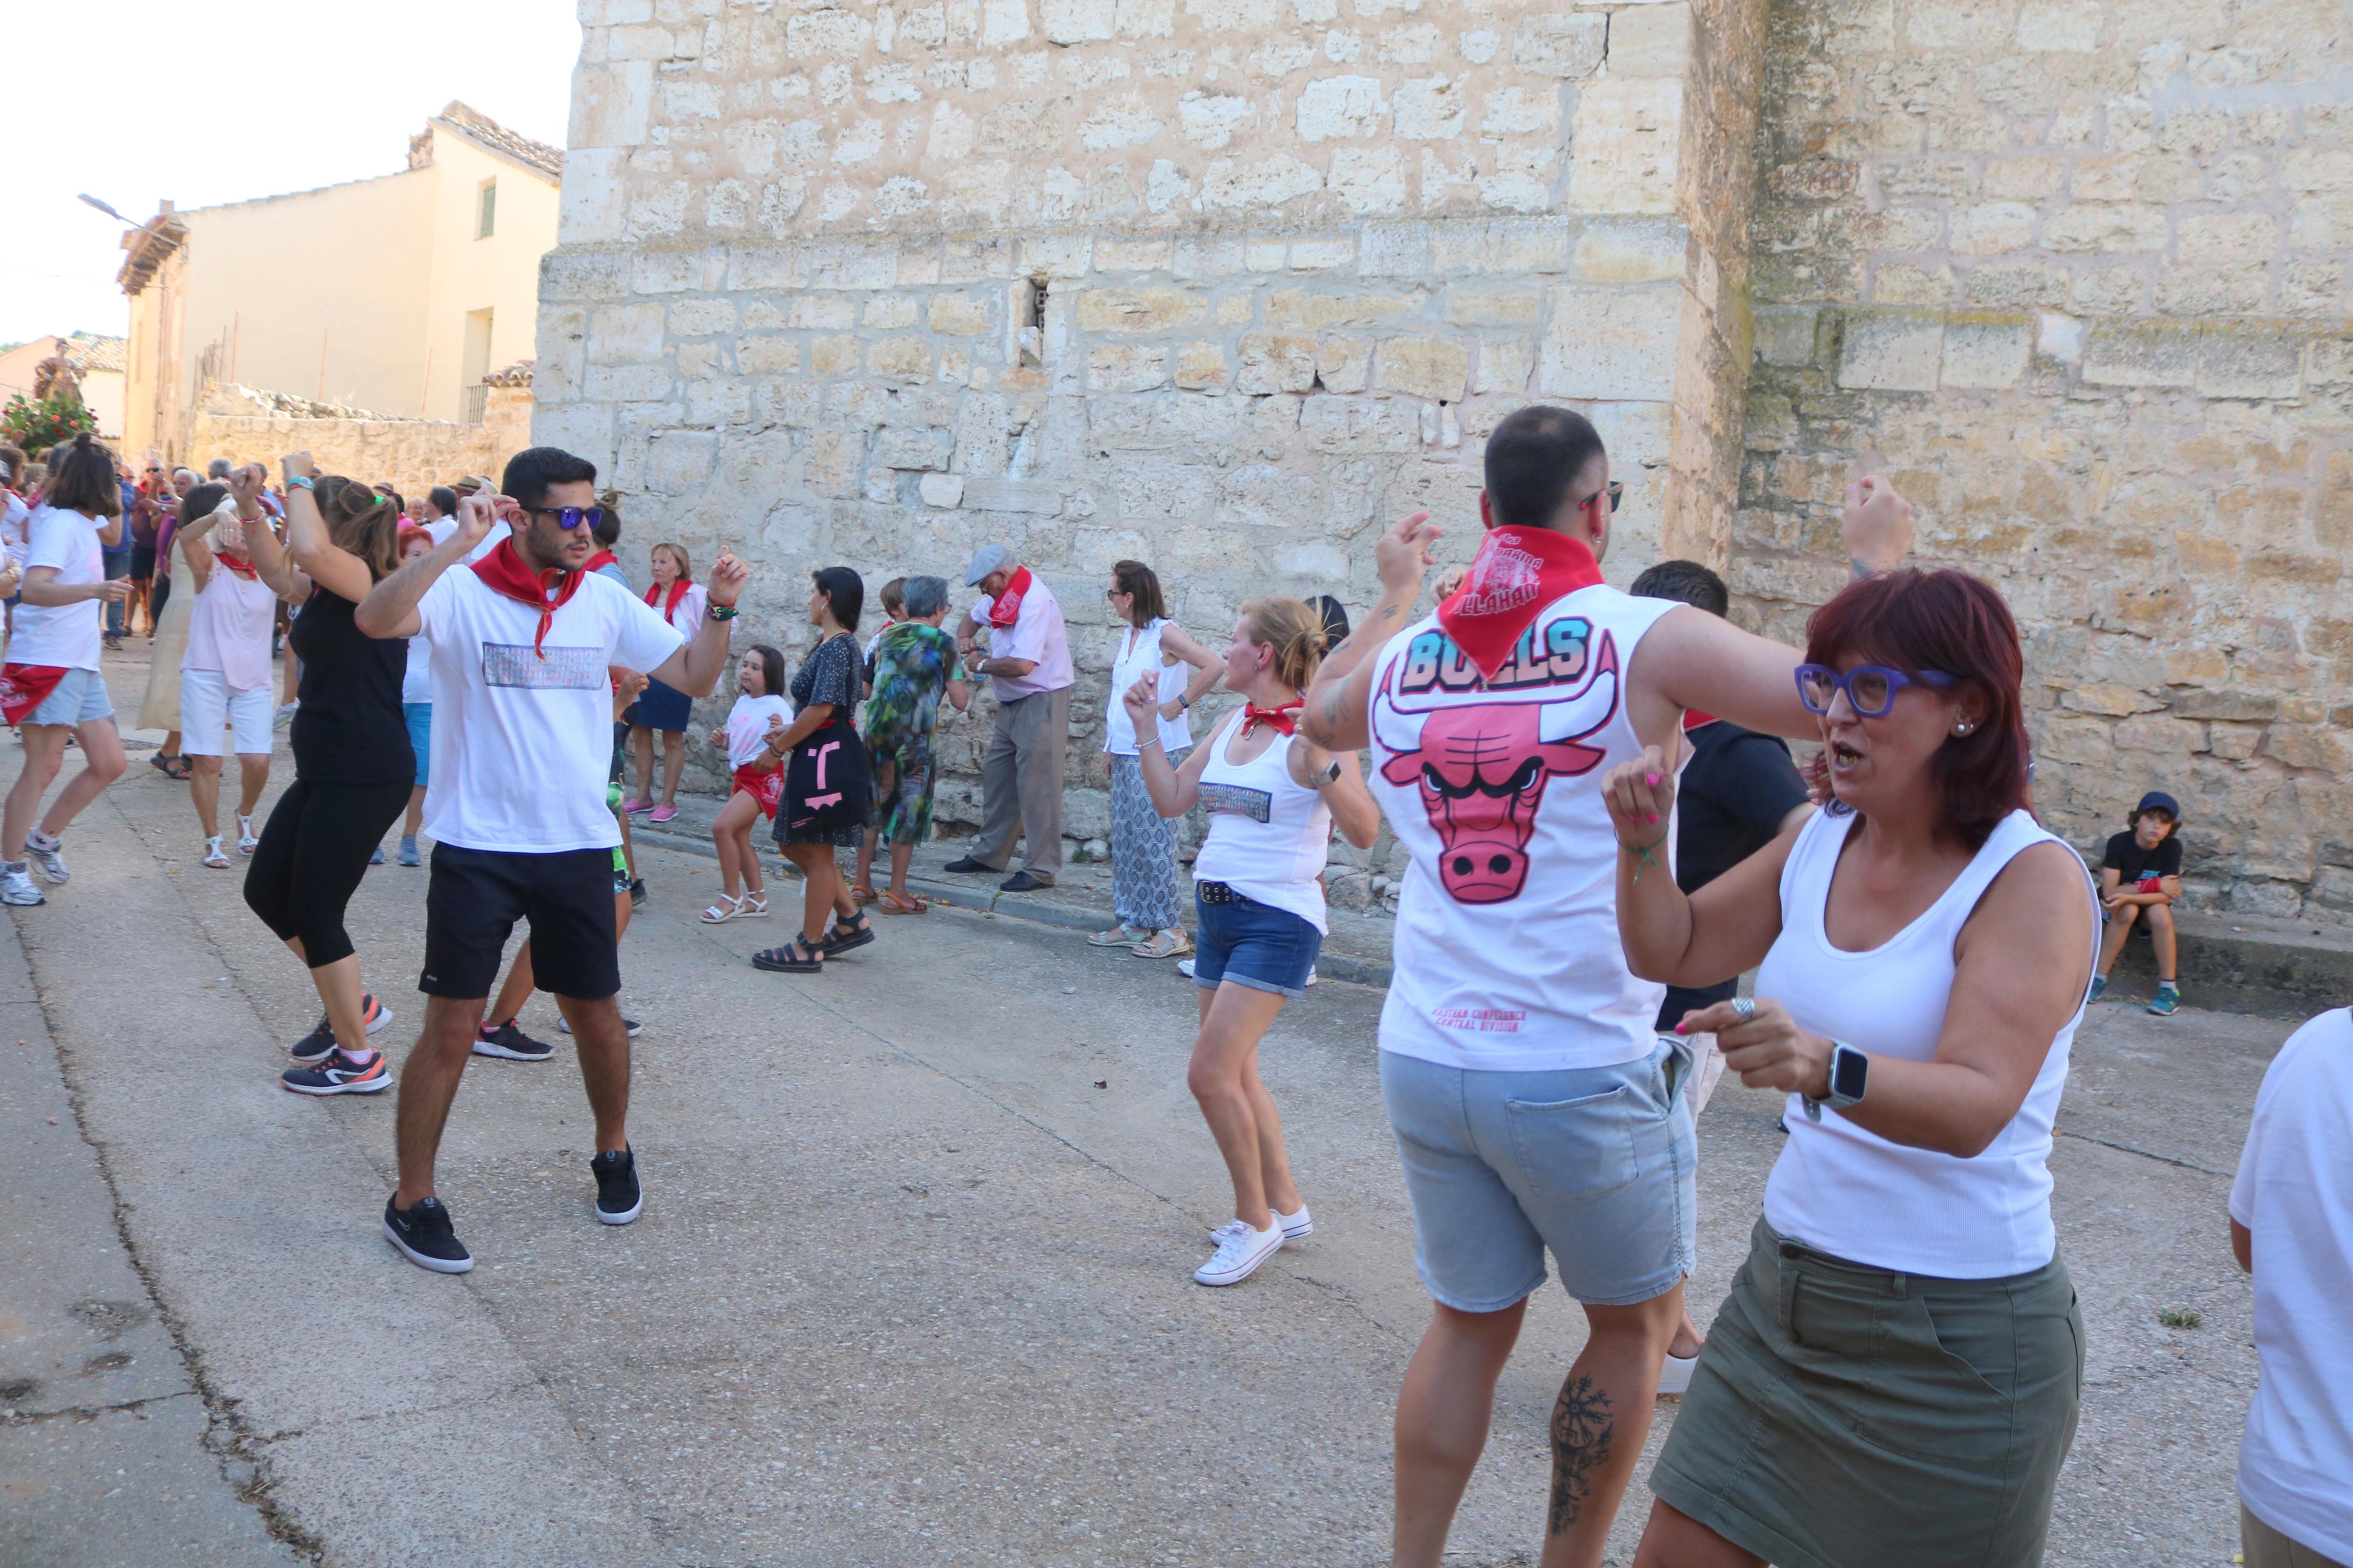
[(825, 698), (353, 768)]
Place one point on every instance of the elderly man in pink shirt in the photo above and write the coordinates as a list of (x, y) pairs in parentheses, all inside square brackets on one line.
[(1028, 665)]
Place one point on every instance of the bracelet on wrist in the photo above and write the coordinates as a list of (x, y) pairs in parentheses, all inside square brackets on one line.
[(304, 480), (722, 612), (1644, 850)]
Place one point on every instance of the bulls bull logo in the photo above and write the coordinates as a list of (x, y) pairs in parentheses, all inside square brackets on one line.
[(1482, 767)]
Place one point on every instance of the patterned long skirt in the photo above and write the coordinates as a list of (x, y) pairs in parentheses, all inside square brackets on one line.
[(1143, 884)]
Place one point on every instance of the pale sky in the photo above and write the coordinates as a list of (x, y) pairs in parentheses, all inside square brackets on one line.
[(223, 100)]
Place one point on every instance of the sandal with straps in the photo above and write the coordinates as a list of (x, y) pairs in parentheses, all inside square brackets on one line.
[(215, 856), (796, 957), (894, 903), (841, 938), (725, 909), (752, 906)]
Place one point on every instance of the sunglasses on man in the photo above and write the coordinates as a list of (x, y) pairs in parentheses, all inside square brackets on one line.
[(1616, 493), (568, 518)]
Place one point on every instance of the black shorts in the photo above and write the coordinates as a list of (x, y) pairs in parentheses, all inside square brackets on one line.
[(477, 895)]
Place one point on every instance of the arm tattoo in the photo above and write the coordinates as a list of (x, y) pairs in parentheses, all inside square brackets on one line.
[(1582, 1427)]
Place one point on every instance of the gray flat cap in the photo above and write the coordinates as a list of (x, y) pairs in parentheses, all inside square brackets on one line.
[(989, 558)]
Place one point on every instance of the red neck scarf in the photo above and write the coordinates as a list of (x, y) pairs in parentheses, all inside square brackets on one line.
[(1005, 608), (1517, 573), (237, 563), (676, 592), (602, 558), (502, 571), (1282, 721)]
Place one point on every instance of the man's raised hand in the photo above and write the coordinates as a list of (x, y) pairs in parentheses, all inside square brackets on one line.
[(1404, 552), (476, 514), (1876, 524), (728, 575)]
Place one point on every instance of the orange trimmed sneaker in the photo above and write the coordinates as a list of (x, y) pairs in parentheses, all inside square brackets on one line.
[(339, 1074)]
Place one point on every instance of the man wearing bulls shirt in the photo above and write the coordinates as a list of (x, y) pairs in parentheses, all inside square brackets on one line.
[(523, 640), (1535, 1108)]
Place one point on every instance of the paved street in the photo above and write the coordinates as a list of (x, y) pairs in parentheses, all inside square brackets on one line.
[(912, 1286)]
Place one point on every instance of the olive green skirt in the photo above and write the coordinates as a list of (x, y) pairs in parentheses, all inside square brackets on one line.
[(1843, 1417)]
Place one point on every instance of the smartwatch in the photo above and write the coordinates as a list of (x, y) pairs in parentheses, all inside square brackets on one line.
[(1850, 1075), (1326, 775)]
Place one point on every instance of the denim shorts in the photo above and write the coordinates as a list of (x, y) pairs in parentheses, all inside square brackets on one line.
[(419, 719), (1253, 944), (78, 698), (1595, 1163)]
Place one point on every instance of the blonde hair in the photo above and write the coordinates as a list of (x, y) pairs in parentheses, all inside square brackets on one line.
[(1295, 630), (678, 554)]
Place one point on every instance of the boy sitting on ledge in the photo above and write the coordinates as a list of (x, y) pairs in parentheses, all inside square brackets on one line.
[(2140, 876)]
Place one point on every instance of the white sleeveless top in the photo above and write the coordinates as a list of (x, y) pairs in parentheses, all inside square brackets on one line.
[(1270, 834), (1852, 1193), (1138, 654), (1507, 957)]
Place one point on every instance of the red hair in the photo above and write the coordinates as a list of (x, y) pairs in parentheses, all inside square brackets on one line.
[(409, 531), (1946, 621)]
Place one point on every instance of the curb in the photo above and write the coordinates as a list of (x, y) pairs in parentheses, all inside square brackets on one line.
[(1331, 965)]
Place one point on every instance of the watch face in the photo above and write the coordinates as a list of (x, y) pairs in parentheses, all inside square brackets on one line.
[(1849, 1070)]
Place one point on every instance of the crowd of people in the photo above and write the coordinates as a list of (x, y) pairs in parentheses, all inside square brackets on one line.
[(1603, 830)]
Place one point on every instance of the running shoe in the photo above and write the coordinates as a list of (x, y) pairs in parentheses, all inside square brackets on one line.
[(17, 886), (320, 1042), (637, 807), (43, 851), (423, 1231), (1675, 1374), (2099, 983), (340, 1074), (619, 1199), (1185, 967), (2165, 1003), (563, 1026), (638, 895), (375, 856), (1240, 1252), (510, 1042), (409, 854)]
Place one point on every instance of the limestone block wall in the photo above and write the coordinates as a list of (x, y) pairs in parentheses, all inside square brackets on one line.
[(410, 455), (2077, 272), (1223, 284)]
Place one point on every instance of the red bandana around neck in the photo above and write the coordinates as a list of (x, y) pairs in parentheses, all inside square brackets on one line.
[(602, 558), (1282, 721), (1517, 573), (502, 571), (237, 563), (676, 592), (1005, 608)]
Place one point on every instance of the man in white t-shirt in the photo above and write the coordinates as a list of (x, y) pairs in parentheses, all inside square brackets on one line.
[(52, 687), (224, 675), (2292, 1229), (1028, 665), (1533, 1106), (523, 710)]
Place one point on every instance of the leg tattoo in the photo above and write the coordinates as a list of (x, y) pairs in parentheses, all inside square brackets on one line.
[(1582, 1427)]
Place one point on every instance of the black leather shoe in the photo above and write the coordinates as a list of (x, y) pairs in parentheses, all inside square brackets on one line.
[(1022, 882), (971, 867)]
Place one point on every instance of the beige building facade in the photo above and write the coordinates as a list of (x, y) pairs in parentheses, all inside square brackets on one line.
[(389, 299), (1225, 285)]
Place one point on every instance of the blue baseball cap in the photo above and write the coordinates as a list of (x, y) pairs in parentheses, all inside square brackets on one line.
[(2158, 800)]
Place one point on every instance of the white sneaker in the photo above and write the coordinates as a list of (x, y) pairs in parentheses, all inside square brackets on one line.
[(1240, 1252), (17, 886), (248, 840), (1293, 1225), (1185, 967), (1310, 977), (1675, 1375), (46, 856)]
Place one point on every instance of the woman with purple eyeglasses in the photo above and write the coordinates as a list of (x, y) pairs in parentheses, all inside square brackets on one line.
[(1904, 1326)]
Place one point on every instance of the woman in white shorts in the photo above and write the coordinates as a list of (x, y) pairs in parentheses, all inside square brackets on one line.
[(225, 685)]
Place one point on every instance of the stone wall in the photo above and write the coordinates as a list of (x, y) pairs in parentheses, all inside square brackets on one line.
[(1223, 284), (410, 455), (2078, 273)]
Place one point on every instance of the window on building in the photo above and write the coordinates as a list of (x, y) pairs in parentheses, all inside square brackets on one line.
[(487, 219)]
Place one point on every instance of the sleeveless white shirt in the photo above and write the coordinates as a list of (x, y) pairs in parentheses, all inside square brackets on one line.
[(1270, 836), (1507, 957), (1850, 1193), (1137, 654)]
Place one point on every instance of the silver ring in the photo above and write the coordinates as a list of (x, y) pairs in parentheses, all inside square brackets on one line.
[(1746, 1008)]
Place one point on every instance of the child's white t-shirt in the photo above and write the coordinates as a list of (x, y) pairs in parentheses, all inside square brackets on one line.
[(747, 726)]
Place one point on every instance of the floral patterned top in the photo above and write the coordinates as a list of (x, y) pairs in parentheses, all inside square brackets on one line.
[(912, 666)]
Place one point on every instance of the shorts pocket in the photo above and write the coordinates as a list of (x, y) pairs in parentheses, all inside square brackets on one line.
[(1578, 1148)]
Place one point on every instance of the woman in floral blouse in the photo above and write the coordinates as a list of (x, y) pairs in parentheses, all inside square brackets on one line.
[(914, 665)]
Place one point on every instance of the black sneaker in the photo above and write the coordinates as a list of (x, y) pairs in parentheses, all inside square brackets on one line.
[(638, 899), (508, 1041), (618, 1201), (563, 1026), (423, 1231), (316, 1046)]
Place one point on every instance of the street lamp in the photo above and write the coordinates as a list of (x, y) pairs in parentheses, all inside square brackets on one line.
[(92, 201)]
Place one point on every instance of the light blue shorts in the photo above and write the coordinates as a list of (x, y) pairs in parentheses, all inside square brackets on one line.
[(1595, 1163), (78, 698), (418, 716)]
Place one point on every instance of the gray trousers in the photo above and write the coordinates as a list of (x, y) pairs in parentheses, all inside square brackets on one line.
[(1021, 783)]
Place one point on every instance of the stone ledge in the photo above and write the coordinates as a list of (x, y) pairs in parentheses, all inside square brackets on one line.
[(2245, 963)]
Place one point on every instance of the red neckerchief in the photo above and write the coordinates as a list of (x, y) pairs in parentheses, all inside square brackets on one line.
[(238, 564), (502, 571), (1005, 608), (677, 591), (1517, 573), (602, 558), (1695, 719), (1283, 720)]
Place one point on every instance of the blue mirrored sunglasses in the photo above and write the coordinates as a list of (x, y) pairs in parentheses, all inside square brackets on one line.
[(1870, 688), (568, 518)]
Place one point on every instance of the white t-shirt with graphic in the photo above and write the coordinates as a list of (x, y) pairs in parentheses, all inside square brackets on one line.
[(522, 742), (747, 726), (1508, 951), (61, 637), (2294, 1194)]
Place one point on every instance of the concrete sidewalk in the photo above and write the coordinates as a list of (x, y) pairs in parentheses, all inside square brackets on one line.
[(912, 1286)]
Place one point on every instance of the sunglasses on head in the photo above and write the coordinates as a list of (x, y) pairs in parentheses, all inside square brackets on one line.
[(568, 518), (1616, 493), (1870, 688)]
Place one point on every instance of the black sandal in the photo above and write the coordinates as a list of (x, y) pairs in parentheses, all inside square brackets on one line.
[(841, 938), (796, 957)]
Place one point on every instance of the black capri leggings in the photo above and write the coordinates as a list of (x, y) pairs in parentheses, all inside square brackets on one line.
[(313, 851)]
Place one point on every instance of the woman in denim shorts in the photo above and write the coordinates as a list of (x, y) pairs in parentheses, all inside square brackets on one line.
[(1272, 798)]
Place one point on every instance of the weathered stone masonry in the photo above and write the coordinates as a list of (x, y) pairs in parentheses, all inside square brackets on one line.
[(1227, 284)]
